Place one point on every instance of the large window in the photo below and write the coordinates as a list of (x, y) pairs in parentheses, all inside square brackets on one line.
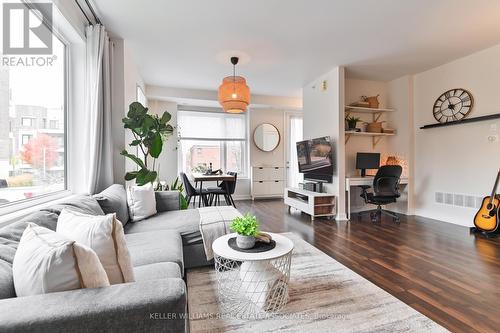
[(212, 137), (32, 127)]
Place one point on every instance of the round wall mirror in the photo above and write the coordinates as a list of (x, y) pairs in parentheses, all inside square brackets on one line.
[(266, 137)]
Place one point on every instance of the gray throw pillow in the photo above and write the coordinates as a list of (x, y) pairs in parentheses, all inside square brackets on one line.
[(114, 200), (81, 203), (10, 235)]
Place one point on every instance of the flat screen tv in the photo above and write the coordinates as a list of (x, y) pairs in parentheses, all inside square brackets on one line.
[(315, 159)]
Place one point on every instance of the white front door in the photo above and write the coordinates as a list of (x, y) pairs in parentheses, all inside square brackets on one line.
[(293, 123)]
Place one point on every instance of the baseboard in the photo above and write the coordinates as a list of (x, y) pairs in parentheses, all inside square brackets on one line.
[(242, 197), (341, 217)]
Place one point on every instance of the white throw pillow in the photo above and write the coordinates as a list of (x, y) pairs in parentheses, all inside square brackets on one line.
[(46, 262), (141, 202), (103, 234)]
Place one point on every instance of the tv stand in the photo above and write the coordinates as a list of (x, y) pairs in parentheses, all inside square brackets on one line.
[(313, 203)]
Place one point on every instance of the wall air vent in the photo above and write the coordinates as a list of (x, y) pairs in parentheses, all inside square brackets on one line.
[(470, 201), (457, 199), (448, 198)]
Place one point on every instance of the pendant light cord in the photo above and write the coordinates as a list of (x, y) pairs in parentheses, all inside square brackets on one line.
[(234, 78)]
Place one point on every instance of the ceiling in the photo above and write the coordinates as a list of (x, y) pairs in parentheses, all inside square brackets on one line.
[(285, 44)]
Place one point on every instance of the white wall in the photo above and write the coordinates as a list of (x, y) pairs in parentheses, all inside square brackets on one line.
[(456, 159), (355, 88), (400, 97), (276, 118), (324, 116), (126, 77)]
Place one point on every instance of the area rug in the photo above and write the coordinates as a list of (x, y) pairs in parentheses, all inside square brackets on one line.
[(325, 296)]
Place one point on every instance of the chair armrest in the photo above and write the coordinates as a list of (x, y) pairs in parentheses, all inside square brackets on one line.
[(167, 200), (144, 306), (364, 193)]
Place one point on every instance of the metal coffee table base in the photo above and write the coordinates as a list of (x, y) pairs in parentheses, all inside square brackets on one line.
[(250, 289)]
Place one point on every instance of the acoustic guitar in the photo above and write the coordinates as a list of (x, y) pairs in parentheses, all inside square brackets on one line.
[(487, 218)]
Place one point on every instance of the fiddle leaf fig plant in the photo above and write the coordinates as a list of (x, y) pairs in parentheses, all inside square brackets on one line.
[(149, 131)]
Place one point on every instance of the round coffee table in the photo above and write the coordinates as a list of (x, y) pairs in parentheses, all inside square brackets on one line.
[(252, 284)]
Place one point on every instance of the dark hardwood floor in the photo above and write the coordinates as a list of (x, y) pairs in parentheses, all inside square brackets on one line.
[(437, 268)]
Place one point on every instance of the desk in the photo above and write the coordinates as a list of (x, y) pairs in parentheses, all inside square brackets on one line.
[(200, 177), (357, 181)]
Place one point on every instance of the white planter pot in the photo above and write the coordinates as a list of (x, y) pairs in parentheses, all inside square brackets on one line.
[(245, 242)]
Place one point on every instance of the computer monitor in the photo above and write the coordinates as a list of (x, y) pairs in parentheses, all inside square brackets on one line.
[(367, 161)]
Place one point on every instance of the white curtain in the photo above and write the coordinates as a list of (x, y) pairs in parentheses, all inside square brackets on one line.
[(97, 127)]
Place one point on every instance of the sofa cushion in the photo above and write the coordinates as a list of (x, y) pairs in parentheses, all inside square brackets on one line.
[(141, 201), (167, 200), (10, 236), (159, 270), (114, 200), (6, 279), (103, 234), (79, 203), (48, 262), (186, 222), (154, 247)]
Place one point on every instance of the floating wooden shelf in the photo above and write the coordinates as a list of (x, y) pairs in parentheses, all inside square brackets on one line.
[(376, 113), (366, 110), (463, 121), (376, 137)]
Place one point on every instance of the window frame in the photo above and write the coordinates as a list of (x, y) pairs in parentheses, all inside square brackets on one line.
[(223, 142), (23, 204), (26, 118)]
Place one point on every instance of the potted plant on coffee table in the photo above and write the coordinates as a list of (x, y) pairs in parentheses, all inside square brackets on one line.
[(247, 228)]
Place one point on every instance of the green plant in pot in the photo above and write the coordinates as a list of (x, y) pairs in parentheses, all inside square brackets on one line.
[(351, 122), (247, 228), (149, 131), (178, 186)]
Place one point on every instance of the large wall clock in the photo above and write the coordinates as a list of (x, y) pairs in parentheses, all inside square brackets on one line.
[(453, 105)]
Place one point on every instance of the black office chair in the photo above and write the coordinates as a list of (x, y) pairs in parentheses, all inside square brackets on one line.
[(225, 188), (385, 191), (192, 192)]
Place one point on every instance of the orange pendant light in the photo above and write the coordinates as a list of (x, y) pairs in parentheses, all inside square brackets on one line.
[(234, 94)]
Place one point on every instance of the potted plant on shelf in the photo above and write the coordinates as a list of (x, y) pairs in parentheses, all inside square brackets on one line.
[(247, 228), (351, 122), (149, 132)]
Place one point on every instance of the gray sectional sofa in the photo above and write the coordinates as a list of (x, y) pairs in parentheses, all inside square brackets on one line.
[(161, 247)]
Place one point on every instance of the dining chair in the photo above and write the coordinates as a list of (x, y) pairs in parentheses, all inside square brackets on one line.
[(225, 188), (192, 192)]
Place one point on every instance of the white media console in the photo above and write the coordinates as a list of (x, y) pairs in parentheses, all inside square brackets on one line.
[(313, 203)]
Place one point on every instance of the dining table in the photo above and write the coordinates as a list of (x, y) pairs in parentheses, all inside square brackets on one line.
[(199, 177)]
